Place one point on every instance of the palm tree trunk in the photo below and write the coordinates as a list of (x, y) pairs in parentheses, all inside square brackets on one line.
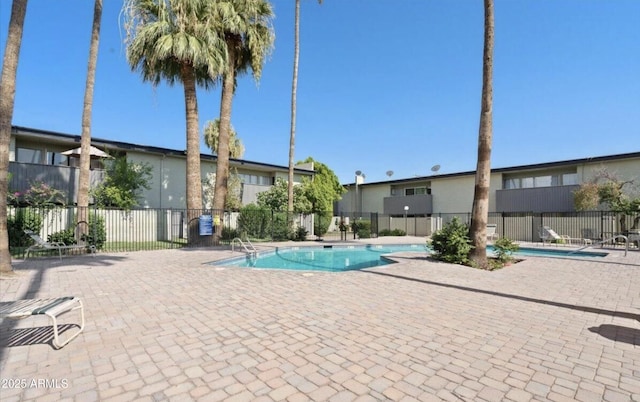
[(480, 211), (85, 142), (7, 98), (222, 160), (294, 93), (194, 185)]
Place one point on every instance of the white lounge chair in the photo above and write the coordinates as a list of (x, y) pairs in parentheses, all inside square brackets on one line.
[(548, 235), (41, 245), (52, 308), (491, 231)]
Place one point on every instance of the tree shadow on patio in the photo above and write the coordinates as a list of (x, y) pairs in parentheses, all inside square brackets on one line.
[(618, 333)]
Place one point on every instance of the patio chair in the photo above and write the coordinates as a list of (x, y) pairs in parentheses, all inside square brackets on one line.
[(491, 231), (52, 308), (548, 235), (589, 236), (41, 245)]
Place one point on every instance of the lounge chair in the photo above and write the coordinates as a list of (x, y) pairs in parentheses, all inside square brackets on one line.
[(548, 235), (52, 308), (491, 231), (41, 245)]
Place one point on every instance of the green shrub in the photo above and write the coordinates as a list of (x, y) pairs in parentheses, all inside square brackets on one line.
[(504, 248), (280, 227), (321, 223), (451, 243), (97, 232), (24, 219), (361, 228), (300, 234), (254, 221), (229, 234), (394, 232), (66, 236)]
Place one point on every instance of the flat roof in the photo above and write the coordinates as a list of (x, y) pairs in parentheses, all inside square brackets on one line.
[(127, 146), (544, 165)]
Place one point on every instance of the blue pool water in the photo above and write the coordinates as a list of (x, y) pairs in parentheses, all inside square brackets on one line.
[(349, 258), (336, 258)]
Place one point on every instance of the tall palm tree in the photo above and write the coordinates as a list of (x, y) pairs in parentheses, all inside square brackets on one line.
[(245, 26), (170, 40), (212, 136), (480, 211), (294, 95), (7, 98), (85, 141)]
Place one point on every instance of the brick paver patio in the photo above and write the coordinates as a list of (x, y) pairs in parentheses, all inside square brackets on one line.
[(163, 325)]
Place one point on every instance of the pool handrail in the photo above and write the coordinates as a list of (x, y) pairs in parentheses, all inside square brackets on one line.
[(252, 252), (626, 244)]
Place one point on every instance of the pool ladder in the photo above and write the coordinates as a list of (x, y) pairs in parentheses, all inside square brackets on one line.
[(251, 252), (601, 242)]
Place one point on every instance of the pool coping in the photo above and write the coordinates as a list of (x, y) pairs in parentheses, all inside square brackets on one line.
[(228, 261), (570, 254)]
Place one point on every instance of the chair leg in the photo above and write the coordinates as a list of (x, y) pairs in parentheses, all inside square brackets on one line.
[(53, 316)]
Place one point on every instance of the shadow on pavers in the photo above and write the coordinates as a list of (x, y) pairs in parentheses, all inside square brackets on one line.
[(32, 336), (618, 333)]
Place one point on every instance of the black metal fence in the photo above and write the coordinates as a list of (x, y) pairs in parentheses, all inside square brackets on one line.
[(111, 230), (525, 226)]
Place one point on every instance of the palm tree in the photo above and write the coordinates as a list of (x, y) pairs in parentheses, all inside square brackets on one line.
[(170, 40), (85, 142), (236, 150), (7, 98), (245, 28), (294, 94), (212, 136), (480, 211)]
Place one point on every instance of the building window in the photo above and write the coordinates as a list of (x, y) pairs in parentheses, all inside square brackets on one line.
[(255, 179), (56, 158), (511, 183), (548, 180), (29, 155), (542, 181), (569, 179), (417, 191)]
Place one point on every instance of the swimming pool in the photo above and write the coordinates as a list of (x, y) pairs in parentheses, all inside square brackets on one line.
[(349, 258), (326, 258)]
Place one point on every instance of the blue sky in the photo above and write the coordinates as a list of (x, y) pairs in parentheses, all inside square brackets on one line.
[(383, 85)]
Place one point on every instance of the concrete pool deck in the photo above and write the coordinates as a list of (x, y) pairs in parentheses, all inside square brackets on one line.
[(163, 325)]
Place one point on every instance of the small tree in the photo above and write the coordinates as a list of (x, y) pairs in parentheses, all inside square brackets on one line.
[(275, 198), (322, 192), (123, 184), (620, 196)]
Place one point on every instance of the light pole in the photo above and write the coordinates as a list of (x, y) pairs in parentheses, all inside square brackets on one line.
[(358, 204), (406, 209)]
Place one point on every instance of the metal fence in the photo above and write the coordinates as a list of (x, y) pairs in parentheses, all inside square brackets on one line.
[(525, 226), (112, 230)]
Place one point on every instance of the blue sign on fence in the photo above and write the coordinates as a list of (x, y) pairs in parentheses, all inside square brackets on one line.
[(206, 225)]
